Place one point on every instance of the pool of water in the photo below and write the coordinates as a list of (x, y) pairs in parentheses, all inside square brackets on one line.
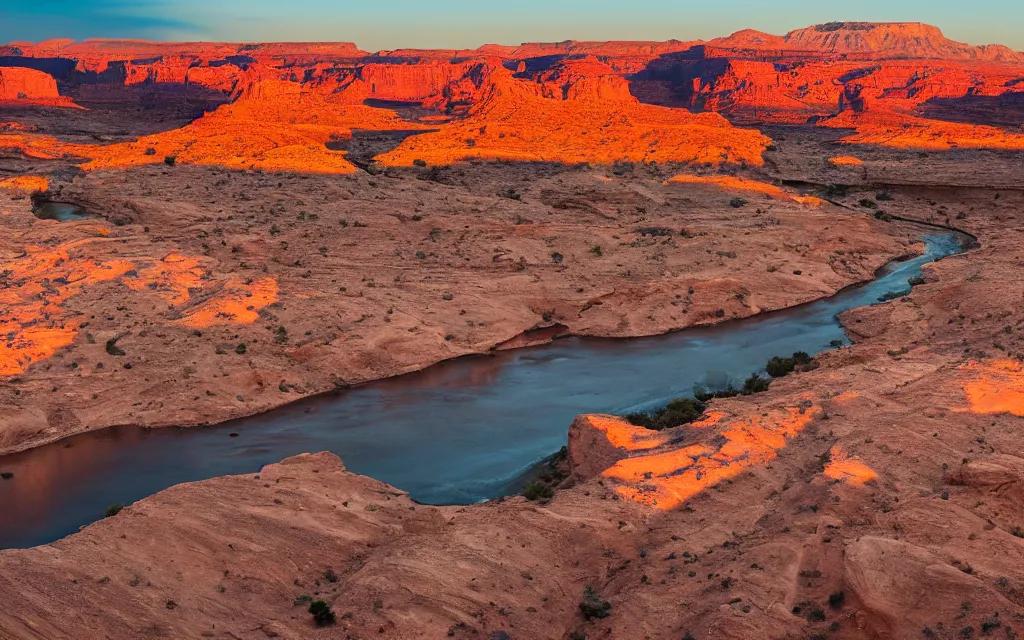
[(457, 433), (60, 211)]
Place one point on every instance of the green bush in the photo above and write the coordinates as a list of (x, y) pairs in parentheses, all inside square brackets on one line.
[(538, 490), (322, 614), (755, 384), (170, 160), (678, 412), (778, 367), (592, 606), (113, 510)]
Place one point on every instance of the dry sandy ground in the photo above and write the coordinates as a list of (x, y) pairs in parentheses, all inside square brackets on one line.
[(328, 281), (878, 496)]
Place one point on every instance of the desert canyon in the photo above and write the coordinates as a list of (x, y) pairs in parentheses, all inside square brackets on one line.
[(193, 235)]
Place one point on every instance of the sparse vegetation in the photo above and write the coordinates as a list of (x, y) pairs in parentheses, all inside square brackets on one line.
[(322, 614), (678, 412), (170, 160), (553, 471), (592, 606), (537, 490), (736, 203), (686, 410), (113, 510), (112, 348), (779, 367)]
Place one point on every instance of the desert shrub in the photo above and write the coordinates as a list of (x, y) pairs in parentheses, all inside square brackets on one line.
[(241, 349), (836, 599), (512, 194), (592, 606), (112, 347), (736, 203), (883, 216), (538, 490), (150, 151), (170, 160), (113, 510), (778, 367), (678, 412), (837, 190), (6, 475), (868, 203), (419, 163), (654, 232), (322, 614), (755, 384), (893, 295), (883, 196)]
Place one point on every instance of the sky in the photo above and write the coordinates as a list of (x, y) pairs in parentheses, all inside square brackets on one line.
[(390, 24)]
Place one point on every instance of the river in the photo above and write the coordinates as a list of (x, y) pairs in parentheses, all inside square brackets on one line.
[(456, 433)]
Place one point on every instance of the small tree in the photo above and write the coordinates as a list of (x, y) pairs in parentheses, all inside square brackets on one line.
[(322, 614), (592, 606)]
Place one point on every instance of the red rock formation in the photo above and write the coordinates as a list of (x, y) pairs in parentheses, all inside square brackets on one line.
[(28, 86), (891, 40), (581, 111)]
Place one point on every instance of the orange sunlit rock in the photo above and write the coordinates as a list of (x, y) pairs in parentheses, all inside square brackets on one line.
[(580, 111), (623, 435), (910, 132), (664, 477), (994, 387), (842, 466), (28, 86), (731, 183), (33, 323), (172, 278), (25, 184), (845, 161), (238, 303), (274, 125)]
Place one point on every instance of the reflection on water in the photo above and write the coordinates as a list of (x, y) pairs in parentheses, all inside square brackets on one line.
[(458, 432)]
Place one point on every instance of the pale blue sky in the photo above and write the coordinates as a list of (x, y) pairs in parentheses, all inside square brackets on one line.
[(385, 24)]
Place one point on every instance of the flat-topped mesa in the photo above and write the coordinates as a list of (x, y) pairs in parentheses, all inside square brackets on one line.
[(28, 86), (855, 41), (891, 40)]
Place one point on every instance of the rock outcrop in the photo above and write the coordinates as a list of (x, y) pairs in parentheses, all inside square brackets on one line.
[(28, 86)]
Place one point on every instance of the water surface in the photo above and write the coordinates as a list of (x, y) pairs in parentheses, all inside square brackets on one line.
[(60, 211), (456, 433)]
